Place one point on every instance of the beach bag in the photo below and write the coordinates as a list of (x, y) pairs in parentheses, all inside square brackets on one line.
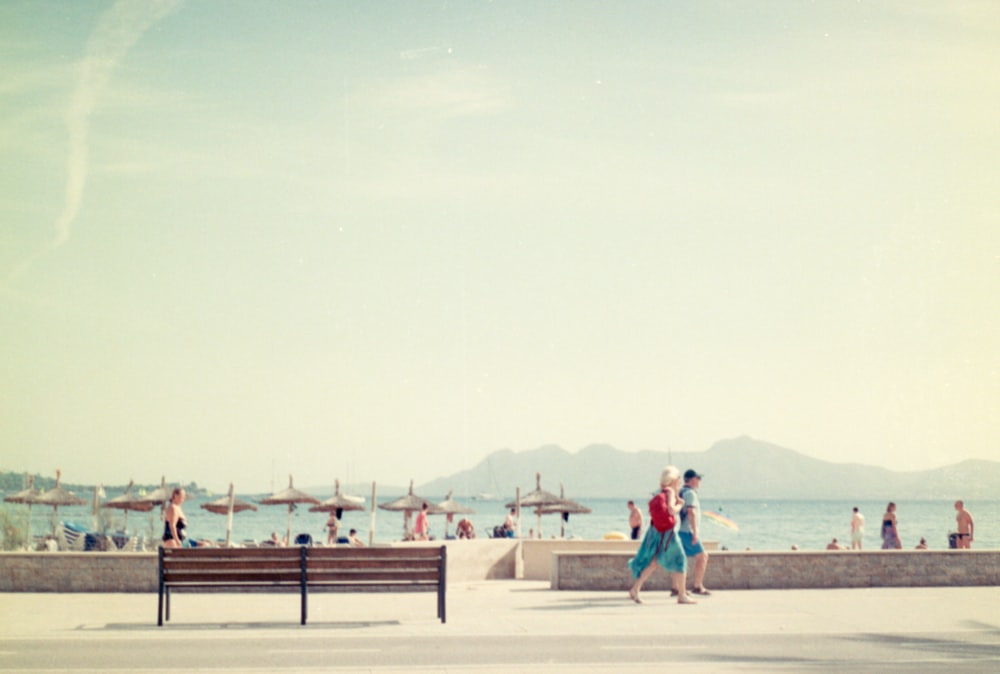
[(660, 515)]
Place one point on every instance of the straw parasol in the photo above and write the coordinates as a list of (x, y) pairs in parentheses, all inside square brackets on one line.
[(408, 504), (159, 496), (566, 508), (26, 497), (128, 501), (227, 505), (338, 503), (451, 507), (290, 497), (537, 499), (57, 496)]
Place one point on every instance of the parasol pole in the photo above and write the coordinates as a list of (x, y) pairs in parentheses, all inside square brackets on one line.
[(517, 513), (229, 515), (371, 527)]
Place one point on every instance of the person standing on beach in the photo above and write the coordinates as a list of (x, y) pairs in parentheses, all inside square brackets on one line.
[(660, 545), (857, 529), (634, 520), (421, 531), (332, 526), (963, 541), (690, 528), (890, 534)]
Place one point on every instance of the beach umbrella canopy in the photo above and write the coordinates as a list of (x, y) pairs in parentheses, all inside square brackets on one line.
[(158, 496), (58, 496), (227, 505), (537, 499), (451, 507), (290, 497), (566, 508), (339, 502), (26, 497), (128, 501), (408, 504)]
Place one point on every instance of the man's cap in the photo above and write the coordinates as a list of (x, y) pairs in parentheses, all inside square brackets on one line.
[(691, 473)]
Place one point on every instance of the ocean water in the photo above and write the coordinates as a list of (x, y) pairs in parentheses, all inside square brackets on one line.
[(763, 525)]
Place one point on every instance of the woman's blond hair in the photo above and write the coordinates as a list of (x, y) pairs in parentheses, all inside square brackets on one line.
[(669, 474)]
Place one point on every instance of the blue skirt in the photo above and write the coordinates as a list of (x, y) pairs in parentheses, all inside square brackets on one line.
[(670, 556)]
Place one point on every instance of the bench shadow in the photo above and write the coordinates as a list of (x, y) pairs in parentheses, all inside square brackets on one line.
[(258, 625)]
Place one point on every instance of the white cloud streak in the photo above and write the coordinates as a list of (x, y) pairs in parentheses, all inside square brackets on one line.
[(116, 33)]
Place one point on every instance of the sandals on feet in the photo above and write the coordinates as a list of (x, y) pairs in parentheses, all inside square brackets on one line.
[(634, 597), (702, 591)]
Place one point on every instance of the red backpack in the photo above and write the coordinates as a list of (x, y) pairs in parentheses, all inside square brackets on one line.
[(662, 518)]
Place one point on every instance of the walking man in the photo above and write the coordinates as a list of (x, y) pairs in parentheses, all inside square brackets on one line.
[(634, 520), (691, 529), (965, 527), (857, 529)]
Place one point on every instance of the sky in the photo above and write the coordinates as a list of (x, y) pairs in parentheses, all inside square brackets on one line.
[(379, 241)]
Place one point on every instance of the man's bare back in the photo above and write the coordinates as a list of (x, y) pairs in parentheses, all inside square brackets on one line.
[(966, 527)]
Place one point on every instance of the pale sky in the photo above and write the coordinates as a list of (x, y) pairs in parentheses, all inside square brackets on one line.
[(378, 241)]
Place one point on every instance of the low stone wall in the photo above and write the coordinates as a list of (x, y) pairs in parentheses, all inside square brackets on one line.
[(536, 555), (571, 565), (137, 571), (78, 572), (791, 570)]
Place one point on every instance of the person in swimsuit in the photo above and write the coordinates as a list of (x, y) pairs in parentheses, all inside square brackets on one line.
[(890, 534), (966, 527), (857, 529), (174, 522)]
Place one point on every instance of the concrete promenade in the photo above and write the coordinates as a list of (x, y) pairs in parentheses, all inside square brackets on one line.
[(508, 626)]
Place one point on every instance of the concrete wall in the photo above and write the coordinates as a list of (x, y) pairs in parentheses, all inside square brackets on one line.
[(536, 555), (787, 570), (488, 559), (568, 565), (78, 572)]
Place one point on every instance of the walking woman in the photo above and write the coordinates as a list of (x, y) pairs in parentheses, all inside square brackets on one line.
[(660, 544)]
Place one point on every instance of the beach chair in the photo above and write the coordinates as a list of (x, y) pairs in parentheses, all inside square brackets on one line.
[(304, 539), (71, 538)]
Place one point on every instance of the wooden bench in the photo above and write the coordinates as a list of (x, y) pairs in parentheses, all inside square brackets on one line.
[(297, 569)]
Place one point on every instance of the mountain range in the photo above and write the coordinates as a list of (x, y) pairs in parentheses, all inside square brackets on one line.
[(739, 468)]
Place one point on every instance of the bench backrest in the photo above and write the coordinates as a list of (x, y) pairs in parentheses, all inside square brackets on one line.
[(204, 566), (401, 566)]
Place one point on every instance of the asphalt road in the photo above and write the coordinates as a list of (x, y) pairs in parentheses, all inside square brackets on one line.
[(331, 648), (499, 627)]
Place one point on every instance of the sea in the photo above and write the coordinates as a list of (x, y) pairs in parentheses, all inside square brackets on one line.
[(762, 525)]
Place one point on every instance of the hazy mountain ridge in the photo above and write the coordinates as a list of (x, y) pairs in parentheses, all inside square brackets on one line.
[(735, 468)]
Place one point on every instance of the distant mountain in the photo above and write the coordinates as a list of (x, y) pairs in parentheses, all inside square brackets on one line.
[(736, 468)]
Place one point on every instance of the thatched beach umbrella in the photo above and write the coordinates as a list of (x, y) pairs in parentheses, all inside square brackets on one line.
[(408, 504), (451, 507), (290, 497), (128, 501), (565, 508), (227, 505), (26, 497), (57, 496), (338, 503), (158, 496), (537, 499)]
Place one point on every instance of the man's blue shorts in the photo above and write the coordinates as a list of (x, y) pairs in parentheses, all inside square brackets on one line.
[(691, 549)]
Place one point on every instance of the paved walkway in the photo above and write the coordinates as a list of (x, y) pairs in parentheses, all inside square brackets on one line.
[(508, 626)]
